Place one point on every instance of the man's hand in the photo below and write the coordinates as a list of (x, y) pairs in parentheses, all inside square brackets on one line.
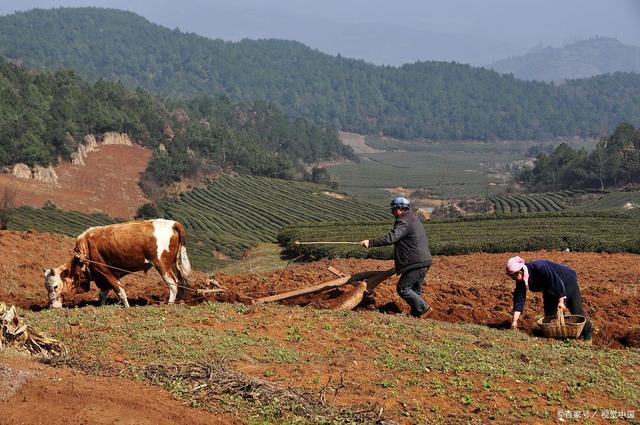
[(514, 324), (365, 243)]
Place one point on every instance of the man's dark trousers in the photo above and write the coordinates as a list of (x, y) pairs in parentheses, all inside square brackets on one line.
[(410, 289)]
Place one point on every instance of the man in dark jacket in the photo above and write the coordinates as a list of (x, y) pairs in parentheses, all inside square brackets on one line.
[(411, 254), (557, 282)]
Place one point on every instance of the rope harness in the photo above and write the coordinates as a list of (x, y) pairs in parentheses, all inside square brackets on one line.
[(140, 273), (127, 271)]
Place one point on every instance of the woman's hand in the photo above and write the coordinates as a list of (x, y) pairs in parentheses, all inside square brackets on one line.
[(563, 307), (514, 321)]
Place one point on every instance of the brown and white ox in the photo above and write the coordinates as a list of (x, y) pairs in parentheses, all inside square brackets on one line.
[(105, 254)]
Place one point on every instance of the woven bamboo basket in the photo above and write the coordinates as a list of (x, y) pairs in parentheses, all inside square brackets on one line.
[(562, 326)]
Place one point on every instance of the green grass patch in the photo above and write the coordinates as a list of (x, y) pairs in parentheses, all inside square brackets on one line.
[(628, 202), (463, 365)]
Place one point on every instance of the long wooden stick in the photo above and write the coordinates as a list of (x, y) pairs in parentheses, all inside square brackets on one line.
[(210, 291), (321, 287), (325, 243)]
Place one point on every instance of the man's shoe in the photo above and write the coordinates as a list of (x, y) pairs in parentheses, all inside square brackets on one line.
[(425, 313)]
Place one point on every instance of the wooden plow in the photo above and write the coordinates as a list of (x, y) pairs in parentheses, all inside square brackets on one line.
[(363, 282)]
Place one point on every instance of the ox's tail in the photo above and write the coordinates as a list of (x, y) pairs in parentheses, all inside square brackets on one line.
[(182, 260)]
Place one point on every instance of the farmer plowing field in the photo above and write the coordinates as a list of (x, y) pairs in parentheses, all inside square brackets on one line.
[(558, 284), (411, 254)]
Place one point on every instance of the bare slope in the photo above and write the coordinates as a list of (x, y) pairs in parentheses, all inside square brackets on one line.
[(108, 183)]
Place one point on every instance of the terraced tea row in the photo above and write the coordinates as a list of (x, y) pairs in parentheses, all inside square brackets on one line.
[(54, 220), (541, 202), (450, 170), (235, 213), (576, 232)]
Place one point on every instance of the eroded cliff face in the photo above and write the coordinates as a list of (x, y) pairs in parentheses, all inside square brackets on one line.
[(21, 171), (89, 143), (112, 138), (44, 174)]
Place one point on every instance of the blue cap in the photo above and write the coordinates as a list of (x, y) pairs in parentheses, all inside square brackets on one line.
[(400, 202)]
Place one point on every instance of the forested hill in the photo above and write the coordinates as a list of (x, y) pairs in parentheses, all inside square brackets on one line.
[(428, 99), (583, 59), (44, 116), (614, 163)]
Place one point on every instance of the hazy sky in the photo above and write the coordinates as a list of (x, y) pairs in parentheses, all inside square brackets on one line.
[(488, 28)]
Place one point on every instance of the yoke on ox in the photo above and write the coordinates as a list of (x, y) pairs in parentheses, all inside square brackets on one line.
[(105, 254)]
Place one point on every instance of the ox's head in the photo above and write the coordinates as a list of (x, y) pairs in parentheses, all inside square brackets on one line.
[(62, 280), (55, 282)]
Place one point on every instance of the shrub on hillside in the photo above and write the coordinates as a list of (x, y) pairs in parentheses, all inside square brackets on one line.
[(147, 211)]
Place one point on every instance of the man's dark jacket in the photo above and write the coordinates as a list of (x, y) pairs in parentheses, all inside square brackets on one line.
[(410, 243)]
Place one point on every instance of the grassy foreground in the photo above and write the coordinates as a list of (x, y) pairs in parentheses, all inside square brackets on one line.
[(346, 365)]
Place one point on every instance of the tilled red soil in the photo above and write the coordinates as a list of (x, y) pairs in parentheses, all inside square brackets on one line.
[(473, 288), (467, 288), (108, 183)]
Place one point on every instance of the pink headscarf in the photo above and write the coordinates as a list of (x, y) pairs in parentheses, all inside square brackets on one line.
[(516, 264)]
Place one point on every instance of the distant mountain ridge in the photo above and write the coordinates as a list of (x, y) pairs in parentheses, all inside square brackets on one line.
[(430, 100), (582, 59)]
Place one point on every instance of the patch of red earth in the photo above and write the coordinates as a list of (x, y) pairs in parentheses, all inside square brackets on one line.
[(31, 393), (467, 288), (473, 288), (108, 183)]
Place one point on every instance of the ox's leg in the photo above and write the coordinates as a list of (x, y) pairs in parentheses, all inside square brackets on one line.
[(108, 281), (122, 295), (181, 286), (171, 280), (103, 297), (173, 286)]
